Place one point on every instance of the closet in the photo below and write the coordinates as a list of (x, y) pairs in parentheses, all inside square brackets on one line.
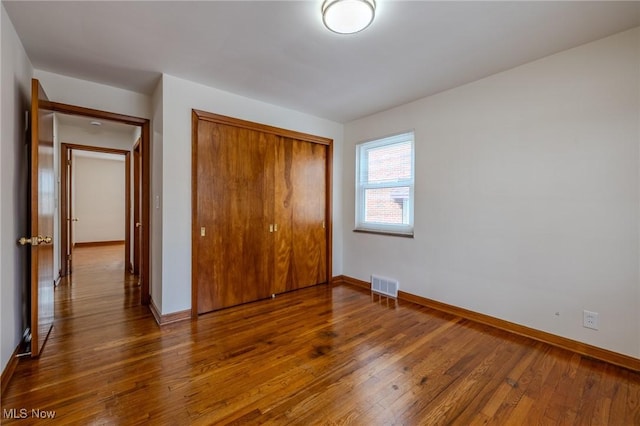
[(261, 211)]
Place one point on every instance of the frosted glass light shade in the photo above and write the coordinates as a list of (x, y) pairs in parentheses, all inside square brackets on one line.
[(348, 16)]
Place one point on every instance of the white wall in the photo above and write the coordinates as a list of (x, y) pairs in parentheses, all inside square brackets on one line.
[(527, 195), (15, 92), (98, 198), (73, 91), (179, 97)]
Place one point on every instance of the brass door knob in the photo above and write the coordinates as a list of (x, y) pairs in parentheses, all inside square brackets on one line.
[(23, 241), (44, 240), (34, 241), (138, 224)]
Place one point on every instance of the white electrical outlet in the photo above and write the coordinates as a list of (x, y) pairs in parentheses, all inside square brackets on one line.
[(590, 320)]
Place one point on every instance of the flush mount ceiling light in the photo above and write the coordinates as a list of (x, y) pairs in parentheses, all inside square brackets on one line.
[(348, 16), (95, 123)]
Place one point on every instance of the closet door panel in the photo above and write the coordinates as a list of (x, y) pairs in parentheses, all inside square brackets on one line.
[(283, 194), (309, 243), (234, 205), (300, 210), (256, 201)]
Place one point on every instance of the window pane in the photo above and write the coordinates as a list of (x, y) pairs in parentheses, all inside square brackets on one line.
[(387, 205), (384, 185), (391, 163)]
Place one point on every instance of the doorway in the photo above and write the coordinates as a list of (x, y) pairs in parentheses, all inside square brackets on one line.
[(111, 202), (140, 202)]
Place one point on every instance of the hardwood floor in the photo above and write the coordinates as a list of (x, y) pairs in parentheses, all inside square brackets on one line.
[(320, 355)]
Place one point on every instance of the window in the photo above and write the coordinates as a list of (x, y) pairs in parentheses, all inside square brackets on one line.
[(384, 185)]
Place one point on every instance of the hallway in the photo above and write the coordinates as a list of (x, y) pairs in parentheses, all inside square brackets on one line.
[(99, 290)]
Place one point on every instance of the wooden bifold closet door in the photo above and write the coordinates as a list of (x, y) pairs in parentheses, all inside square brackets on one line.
[(300, 214), (261, 210)]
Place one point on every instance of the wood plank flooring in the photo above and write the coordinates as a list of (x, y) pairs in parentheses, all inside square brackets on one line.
[(320, 355)]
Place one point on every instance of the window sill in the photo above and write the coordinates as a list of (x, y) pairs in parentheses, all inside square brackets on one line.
[(390, 233)]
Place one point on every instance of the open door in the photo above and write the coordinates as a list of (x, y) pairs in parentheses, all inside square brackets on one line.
[(137, 213), (42, 205), (67, 220)]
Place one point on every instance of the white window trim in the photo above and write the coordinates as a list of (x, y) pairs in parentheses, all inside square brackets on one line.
[(361, 187)]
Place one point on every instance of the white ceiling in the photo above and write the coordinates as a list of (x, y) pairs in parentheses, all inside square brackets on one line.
[(279, 52)]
